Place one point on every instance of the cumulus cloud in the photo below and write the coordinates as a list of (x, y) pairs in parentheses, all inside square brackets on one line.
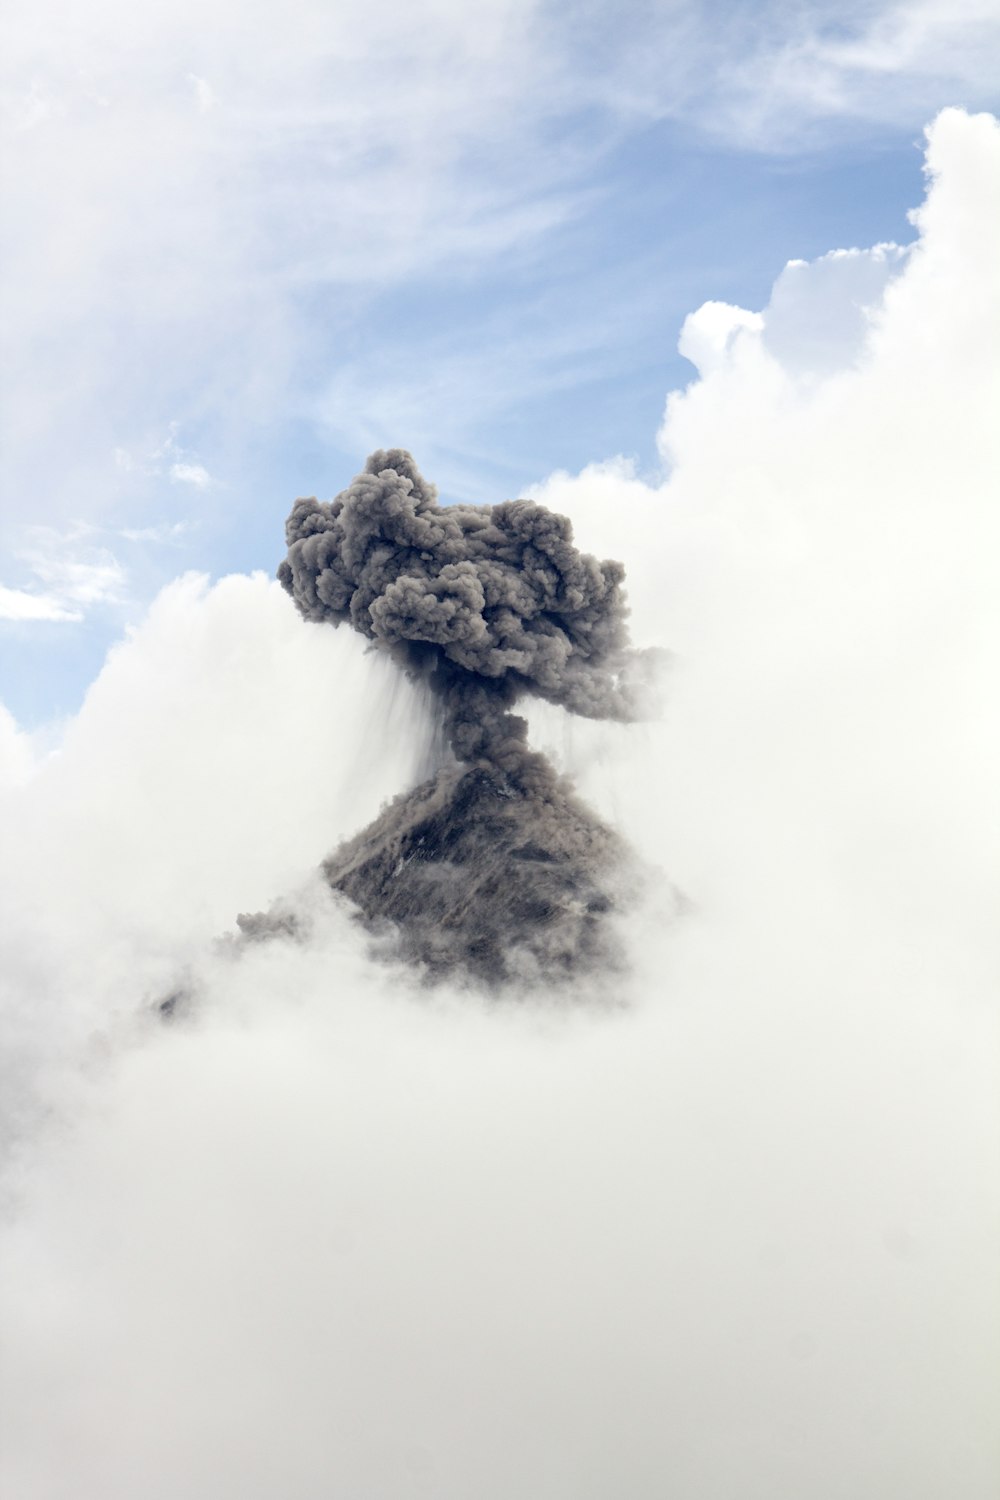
[(17, 759), (736, 1236)]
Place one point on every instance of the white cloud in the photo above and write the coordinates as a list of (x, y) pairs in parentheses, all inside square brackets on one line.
[(819, 315), (96, 579), (203, 93), (69, 575), (737, 1239), (790, 76), (20, 604), (168, 457), (194, 474), (708, 334), (164, 533), (17, 757)]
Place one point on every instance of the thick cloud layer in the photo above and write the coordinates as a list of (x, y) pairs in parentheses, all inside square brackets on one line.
[(334, 1235)]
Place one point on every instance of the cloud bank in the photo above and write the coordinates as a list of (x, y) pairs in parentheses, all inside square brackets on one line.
[(734, 1236)]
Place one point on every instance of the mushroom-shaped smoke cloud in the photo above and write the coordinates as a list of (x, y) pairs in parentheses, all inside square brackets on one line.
[(486, 602), (493, 867)]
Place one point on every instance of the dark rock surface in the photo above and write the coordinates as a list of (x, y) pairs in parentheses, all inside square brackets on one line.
[(481, 874)]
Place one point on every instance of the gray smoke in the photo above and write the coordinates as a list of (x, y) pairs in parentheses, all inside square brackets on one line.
[(493, 867), (485, 602)]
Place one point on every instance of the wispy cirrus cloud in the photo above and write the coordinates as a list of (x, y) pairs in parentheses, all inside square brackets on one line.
[(165, 533), (22, 605), (788, 78), (169, 457), (66, 574)]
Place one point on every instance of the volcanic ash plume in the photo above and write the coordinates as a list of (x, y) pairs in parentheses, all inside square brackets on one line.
[(493, 868)]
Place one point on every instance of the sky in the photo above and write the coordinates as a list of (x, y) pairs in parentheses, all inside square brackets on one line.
[(721, 286), (244, 248)]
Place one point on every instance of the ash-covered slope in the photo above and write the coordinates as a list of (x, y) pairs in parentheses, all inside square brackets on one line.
[(493, 869), (476, 871)]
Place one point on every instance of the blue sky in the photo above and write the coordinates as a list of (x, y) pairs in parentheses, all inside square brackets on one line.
[(244, 247)]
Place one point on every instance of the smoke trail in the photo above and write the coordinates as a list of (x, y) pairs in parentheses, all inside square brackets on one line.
[(492, 867)]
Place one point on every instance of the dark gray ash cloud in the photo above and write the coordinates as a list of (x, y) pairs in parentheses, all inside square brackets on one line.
[(494, 867), (485, 602)]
